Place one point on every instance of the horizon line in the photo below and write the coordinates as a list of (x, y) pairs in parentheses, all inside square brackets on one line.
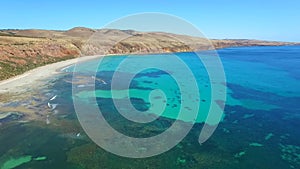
[(210, 38)]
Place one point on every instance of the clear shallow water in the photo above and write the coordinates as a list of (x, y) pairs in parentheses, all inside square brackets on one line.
[(260, 128)]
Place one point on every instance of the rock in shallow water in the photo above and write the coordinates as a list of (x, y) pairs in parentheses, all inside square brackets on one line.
[(10, 116), (15, 162), (42, 158)]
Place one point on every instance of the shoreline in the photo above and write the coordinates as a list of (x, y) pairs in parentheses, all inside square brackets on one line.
[(28, 78)]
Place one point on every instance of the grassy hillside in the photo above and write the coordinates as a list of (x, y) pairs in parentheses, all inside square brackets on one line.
[(22, 50)]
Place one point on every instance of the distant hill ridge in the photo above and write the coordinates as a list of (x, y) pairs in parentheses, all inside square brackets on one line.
[(22, 50)]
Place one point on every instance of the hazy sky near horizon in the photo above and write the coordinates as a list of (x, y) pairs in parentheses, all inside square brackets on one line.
[(250, 19)]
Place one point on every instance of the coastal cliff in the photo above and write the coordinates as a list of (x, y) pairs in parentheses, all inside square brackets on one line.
[(22, 50)]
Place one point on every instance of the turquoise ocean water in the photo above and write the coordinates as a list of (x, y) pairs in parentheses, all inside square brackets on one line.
[(259, 128)]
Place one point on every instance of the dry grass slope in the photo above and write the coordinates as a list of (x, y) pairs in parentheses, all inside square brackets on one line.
[(22, 50)]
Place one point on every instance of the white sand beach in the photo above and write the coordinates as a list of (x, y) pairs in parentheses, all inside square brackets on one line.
[(21, 82)]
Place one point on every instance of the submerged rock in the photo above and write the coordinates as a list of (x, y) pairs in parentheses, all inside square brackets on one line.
[(42, 158), (181, 160), (256, 145), (4, 115), (15, 162), (10, 116), (291, 154), (269, 136), (247, 116), (240, 154)]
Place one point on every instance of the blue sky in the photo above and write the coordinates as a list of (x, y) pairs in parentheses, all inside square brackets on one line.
[(255, 19)]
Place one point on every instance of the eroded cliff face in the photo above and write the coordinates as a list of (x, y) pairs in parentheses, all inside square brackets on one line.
[(12, 47), (22, 50), (19, 54)]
